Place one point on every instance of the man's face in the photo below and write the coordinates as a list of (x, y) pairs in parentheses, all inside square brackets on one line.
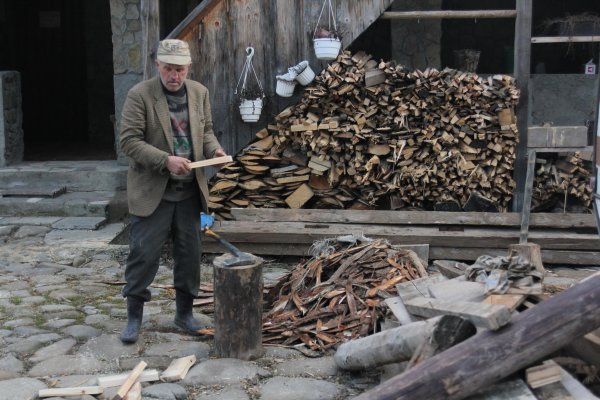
[(172, 75)]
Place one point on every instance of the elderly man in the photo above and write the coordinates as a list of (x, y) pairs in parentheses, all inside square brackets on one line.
[(166, 124)]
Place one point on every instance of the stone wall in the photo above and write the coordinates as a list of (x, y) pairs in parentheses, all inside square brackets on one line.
[(11, 119), (416, 43), (127, 41)]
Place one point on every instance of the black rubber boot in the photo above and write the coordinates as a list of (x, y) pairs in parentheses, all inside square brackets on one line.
[(184, 317), (135, 312)]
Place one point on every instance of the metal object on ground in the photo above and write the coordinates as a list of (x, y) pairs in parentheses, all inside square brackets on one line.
[(240, 258)]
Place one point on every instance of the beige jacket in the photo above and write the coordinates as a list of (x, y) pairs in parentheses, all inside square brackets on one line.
[(146, 139)]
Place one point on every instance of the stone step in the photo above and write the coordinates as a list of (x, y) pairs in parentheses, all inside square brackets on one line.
[(76, 176), (59, 223), (106, 204)]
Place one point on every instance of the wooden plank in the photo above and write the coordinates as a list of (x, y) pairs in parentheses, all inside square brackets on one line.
[(570, 257), (385, 217), (135, 393), (296, 232), (72, 391), (510, 301), (418, 287), (490, 356), (148, 375), (130, 381), (178, 369), (527, 194), (565, 39), (447, 14), (542, 375), (211, 161), (485, 315), (557, 136)]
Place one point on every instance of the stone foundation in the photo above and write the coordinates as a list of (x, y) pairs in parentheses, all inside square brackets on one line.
[(11, 119)]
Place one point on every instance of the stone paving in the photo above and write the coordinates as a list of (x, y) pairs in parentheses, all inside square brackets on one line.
[(61, 313)]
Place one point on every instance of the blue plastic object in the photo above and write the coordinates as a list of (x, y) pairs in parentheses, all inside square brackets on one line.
[(206, 221)]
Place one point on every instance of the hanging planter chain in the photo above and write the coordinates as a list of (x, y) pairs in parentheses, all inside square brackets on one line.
[(330, 17), (247, 68)]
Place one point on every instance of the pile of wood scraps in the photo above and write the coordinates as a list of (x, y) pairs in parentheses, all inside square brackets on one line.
[(453, 337), (126, 386), (562, 183), (405, 139), (337, 295)]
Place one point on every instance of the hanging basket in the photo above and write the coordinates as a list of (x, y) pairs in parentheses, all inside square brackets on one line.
[(327, 48), (305, 74), (285, 88), (250, 109), (326, 39), (251, 101)]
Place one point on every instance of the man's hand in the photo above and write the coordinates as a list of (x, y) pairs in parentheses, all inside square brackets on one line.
[(219, 153), (178, 165)]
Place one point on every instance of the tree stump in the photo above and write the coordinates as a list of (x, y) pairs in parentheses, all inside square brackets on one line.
[(238, 309)]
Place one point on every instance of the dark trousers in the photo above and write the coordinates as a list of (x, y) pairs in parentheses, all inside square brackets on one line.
[(146, 238)]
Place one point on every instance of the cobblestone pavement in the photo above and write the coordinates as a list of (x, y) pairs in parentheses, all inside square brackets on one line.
[(61, 313)]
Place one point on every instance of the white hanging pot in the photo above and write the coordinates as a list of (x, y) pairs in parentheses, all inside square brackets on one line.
[(327, 48), (285, 88), (250, 109), (306, 74)]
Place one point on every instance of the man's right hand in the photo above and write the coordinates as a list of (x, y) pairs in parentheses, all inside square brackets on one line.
[(178, 165)]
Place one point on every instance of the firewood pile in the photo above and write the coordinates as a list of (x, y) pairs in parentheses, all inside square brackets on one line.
[(338, 295), (562, 180), (370, 135)]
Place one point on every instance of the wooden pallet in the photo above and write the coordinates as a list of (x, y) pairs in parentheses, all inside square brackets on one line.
[(564, 238)]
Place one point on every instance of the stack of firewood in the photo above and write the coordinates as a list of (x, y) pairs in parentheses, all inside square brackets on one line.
[(337, 295), (562, 182), (374, 135)]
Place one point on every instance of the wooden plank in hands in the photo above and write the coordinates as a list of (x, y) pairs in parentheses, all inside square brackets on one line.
[(211, 161)]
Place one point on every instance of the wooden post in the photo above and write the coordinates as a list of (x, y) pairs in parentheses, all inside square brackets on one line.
[(522, 70), (492, 355), (238, 309)]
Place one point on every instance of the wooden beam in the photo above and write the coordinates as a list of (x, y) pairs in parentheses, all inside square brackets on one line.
[(565, 39), (447, 14), (193, 19), (491, 355), (522, 71), (384, 217), (490, 316)]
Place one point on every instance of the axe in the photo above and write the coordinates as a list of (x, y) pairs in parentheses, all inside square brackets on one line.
[(239, 257)]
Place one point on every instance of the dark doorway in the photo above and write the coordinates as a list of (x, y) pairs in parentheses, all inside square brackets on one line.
[(63, 51)]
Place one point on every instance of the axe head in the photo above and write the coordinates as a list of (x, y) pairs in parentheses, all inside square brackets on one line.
[(239, 259)]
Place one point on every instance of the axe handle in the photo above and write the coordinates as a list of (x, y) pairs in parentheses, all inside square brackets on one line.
[(230, 248)]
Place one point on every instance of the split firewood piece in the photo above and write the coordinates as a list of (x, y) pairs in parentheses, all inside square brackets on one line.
[(148, 375), (374, 77), (211, 161), (178, 369), (489, 316), (299, 197), (135, 393), (72, 391), (399, 310), (542, 375), (130, 381)]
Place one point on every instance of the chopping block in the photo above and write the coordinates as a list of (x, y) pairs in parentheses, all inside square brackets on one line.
[(238, 294)]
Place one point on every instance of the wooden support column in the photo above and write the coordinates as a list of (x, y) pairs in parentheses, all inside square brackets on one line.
[(238, 309), (522, 71), (492, 355)]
